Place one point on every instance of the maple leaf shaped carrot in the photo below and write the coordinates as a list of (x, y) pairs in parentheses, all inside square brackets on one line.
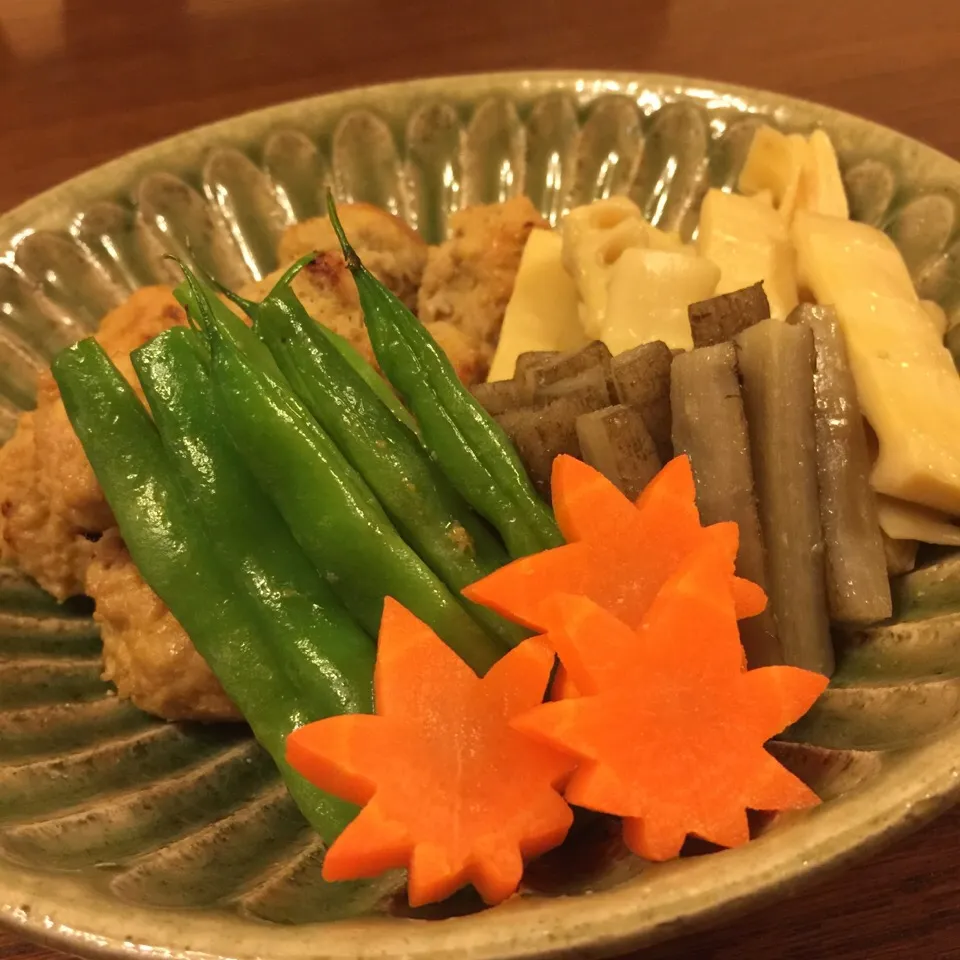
[(451, 790), (618, 554), (669, 728)]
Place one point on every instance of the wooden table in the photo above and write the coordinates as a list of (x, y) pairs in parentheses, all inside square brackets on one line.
[(82, 81)]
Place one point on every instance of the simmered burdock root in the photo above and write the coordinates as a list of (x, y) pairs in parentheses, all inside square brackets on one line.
[(590, 389), (541, 434), (858, 590), (776, 367), (710, 427), (146, 652), (500, 396), (469, 278), (641, 378), (530, 359), (616, 442), (567, 403), (721, 318), (539, 371)]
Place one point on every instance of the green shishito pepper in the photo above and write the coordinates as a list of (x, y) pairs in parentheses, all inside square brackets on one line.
[(328, 656), (467, 443), (204, 308), (177, 558), (331, 512), (342, 345), (432, 517)]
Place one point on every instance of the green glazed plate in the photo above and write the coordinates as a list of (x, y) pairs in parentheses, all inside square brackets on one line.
[(120, 834)]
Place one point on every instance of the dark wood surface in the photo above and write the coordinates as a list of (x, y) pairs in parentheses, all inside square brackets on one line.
[(82, 81)]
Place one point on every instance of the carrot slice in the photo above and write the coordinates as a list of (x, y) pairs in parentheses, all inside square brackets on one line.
[(618, 554), (451, 790), (693, 761)]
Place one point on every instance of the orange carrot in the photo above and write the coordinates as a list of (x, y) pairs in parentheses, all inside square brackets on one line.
[(451, 790), (618, 554), (669, 728)]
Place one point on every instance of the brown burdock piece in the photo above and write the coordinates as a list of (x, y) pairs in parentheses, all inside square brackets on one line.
[(499, 396), (530, 359), (591, 389), (541, 434), (641, 378), (710, 427), (776, 366), (858, 589), (537, 375), (615, 440), (722, 318)]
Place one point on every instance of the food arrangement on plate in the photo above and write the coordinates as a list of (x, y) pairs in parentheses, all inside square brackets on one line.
[(535, 520)]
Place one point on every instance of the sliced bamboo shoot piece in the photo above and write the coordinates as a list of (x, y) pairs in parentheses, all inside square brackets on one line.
[(901, 555)]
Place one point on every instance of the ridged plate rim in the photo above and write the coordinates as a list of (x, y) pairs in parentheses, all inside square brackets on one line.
[(66, 914)]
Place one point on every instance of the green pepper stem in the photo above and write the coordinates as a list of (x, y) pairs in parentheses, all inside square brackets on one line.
[(203, 322), (290, 274), (249, 307), (349, 254)]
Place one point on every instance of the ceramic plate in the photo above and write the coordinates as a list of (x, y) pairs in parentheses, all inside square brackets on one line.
[(120, 834)]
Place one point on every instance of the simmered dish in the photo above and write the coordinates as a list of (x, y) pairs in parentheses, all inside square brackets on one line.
[(537, 518), (56, 524)]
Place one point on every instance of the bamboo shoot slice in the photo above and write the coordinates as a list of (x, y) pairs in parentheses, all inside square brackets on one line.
[(937, 316), (542, 313), (900, 520), (648, 295), (748, 242), (775, 162), (901, 555), (821, 185)]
